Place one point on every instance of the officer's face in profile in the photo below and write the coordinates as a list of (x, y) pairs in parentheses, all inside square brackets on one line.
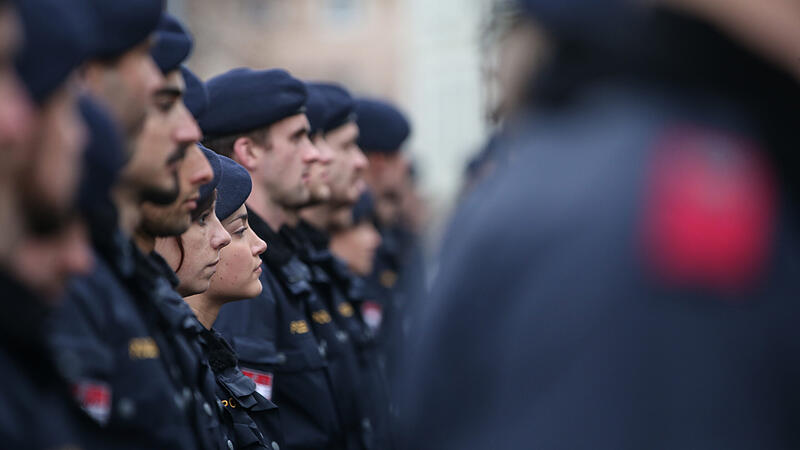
[(168, 132), (320, 171), (285, 165), (195, 254), (174, 219), (239, 262), (15, 107), (45, 263), (348, 165), (126, 85), (50, 179), (387, 179), (356, 246)]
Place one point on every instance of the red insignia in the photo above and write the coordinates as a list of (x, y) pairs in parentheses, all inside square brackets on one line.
[(709, 210), (372, 312), (95, 398), (263, 382)]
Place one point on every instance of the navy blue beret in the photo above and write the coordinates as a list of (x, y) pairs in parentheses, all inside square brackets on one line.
[(233, 188), (316, 108), (242, 100), (57, 38), (364, 209), (102, 160), (122, 24), (195, 95), (207, 189), (173, 44), (382, 127), (341, 106)]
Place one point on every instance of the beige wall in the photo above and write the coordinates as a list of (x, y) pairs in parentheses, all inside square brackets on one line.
[(422, 54)]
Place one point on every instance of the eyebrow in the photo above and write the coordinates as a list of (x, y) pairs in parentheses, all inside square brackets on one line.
[(301, 132), (240, 216), (169, 91)]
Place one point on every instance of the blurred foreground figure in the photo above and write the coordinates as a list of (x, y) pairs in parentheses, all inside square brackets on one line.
[(40, 173), (630, 279)]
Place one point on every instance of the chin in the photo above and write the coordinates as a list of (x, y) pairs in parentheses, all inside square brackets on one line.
[(254, 289), (246, 293)]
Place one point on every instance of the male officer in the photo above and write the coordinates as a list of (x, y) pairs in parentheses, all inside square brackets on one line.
[(41, 414), (343, 181), (123, 77), (272, 333), (631, 280), (132, 370), (56, 245), (384, 130), (331, 111)]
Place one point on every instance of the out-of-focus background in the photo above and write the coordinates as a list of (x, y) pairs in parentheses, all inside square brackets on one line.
[(434, 59)]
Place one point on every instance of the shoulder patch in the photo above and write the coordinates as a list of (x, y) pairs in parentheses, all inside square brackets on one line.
[(263, 382), (372, 313), (95, 398), (709, 211)]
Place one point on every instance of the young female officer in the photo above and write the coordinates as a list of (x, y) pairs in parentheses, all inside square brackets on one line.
[(217, 261)]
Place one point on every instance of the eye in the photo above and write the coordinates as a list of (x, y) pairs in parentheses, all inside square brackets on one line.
[(241, 231), (164, 104), (203, 218)]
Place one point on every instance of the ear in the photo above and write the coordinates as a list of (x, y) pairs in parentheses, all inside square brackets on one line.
[(246, 153)]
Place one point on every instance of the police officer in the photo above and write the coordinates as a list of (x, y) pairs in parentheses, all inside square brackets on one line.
[(272, 333), (331, 113), (39, 412), (131, 368), (384, 130), (214, 261), (630, 281), (341, 350)]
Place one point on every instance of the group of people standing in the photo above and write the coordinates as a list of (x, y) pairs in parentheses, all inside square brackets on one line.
[(186, 264)]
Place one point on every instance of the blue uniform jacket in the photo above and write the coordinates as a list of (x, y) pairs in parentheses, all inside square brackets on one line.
[(275, 343), (342, 293), (38, 412), (252, 419), (629, 282), (125, 358)]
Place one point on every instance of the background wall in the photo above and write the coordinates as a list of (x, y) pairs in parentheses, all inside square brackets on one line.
[(424, 55)]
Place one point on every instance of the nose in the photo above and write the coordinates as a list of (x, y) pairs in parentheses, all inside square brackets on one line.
[(201, 169), (311, 153), (221, 237), (259, 247), (16, 113), (375, 237), (361, 160), (79, 259), (325, 151)]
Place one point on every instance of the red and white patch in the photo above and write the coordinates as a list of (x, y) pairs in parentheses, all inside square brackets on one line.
[(372, 312), (709, 211), (95, 398), (263, 382)]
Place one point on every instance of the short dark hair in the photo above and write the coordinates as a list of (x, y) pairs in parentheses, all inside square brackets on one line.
[(224, 144)]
